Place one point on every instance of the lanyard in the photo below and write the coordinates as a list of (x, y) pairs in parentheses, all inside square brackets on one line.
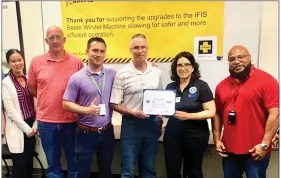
[(235, 93), (98, 88)]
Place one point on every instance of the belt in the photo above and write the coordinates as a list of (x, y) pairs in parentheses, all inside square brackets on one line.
[(94, 129)]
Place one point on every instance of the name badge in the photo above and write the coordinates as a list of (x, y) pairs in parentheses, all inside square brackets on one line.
[(178, 99), (102, 109)]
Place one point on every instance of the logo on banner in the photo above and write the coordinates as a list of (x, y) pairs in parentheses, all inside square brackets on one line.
[(205, 47), (75, 2)]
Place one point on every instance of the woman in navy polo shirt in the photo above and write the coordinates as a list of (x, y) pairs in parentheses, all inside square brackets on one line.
[(187, 134)]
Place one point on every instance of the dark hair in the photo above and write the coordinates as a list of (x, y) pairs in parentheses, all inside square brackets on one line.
[(195, 74), (97, 39), (138, 35), (11, 52)]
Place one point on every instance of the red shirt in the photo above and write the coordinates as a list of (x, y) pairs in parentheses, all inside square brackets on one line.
[(50, 79), (254, 97)]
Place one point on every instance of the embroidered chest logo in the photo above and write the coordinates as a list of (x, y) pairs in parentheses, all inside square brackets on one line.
[(192, 91)]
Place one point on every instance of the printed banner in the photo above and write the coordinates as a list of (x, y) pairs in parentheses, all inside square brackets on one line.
[(170, 27)]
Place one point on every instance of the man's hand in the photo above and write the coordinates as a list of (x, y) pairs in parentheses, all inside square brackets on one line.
[(275, 140), (94, 110), (257, 152), (140, 115), (159, 117), (180, 115), (154, 65), (221, 149)]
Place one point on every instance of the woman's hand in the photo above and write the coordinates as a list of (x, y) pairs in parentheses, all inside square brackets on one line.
[(33, 133), (181, 115)]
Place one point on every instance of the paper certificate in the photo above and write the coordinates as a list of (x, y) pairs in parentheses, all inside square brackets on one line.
[(160, 102)]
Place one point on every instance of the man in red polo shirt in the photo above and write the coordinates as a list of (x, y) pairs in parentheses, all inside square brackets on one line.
[(48, 76), (248, 108)]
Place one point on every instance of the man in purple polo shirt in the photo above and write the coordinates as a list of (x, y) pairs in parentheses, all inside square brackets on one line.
[(88, 94)]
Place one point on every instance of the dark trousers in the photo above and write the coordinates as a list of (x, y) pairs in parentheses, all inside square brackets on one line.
[(139, 143), (54, 137), (23, 162), (235, 165), (187, 149), (86, 144)]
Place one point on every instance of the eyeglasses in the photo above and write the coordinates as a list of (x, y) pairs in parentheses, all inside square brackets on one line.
[(52, 38), (137, 48), (240, 58), (185, 66)]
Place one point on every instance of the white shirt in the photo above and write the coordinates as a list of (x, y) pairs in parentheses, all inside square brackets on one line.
[(129, 84), (15, 124)]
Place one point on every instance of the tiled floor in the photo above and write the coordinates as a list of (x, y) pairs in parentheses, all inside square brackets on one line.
[(37, 174), (211, 166)]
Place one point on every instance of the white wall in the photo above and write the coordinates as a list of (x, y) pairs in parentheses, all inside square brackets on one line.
[(32, 29), (268, 55), (10, 34)]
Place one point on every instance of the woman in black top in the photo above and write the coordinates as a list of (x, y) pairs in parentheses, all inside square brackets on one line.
[(187, 134)]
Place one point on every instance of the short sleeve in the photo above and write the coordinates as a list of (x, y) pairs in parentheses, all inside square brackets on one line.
[(117, 91), (71, 91), (169, 86), (160, 85), (270, 94), (206, 94), (31, 79), (80, 65), (218, 102)]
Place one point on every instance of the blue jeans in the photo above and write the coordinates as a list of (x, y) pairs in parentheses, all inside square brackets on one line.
[(87, 143), (139, 142), (53, 137), (235, 165)]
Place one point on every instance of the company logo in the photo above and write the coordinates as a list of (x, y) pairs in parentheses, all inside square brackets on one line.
[(205, 47), (192, 90), (75, 2)]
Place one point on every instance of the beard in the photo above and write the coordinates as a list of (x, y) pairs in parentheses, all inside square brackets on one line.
[(241, 75)]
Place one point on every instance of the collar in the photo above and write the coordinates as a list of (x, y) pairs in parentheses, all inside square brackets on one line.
[(14, 76), (234, 82), (134, 69), (65, 57), (89, 72), (190, 84)]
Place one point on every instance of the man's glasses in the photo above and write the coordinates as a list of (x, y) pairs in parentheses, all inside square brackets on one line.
[(137, 48), (53, 38), (240, 58)]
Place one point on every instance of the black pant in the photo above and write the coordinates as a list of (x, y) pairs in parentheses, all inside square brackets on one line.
[(23, 162), (189, 149)]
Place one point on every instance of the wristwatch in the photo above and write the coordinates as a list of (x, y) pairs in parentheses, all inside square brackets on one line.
[(264, 146)]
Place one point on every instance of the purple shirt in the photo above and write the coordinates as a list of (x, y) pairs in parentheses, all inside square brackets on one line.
[(82, 90)]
